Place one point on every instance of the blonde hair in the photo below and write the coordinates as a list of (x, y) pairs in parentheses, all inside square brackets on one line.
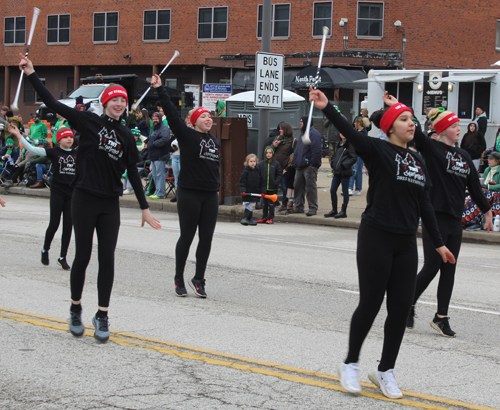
[(249, 157), (435, 115)]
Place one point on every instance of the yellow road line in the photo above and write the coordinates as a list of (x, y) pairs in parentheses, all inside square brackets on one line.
[(146, 343)]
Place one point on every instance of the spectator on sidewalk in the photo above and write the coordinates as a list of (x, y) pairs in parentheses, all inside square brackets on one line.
[(307, 160)]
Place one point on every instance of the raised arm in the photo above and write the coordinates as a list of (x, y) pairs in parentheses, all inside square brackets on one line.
[(35, 150), (359, 140), (175, 123), (69, 113)]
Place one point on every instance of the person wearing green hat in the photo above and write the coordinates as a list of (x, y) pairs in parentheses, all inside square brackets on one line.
[(9, 152), (221, 108)]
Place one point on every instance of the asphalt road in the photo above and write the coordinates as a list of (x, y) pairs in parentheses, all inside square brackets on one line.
[(269, 336)]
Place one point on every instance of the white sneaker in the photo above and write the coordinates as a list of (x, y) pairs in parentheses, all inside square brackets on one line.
[(386, 381), (350, 192), (357, 193), (349, 377), (127, 192)]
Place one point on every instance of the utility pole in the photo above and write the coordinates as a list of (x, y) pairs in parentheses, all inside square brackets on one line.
[(267, 10)]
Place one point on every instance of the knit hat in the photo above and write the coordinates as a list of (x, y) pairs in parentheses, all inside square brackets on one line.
[(63, 133), (156, 114), (197, 113), (9, 114), (113, 92), (79, 99), (442, 119), (431, 132), (390, 116), (135, 132), (9, 142), (494, 155)]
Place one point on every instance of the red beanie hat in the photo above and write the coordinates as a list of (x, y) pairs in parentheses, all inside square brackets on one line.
[(113, 92), (197, 113), (390, 116), (63, 133)]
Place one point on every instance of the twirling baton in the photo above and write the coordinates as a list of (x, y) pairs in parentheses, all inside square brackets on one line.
[(305, 138), (136, 104), (36, 12)]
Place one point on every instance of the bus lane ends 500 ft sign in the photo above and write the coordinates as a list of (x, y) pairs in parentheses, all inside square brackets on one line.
[(269, 80)]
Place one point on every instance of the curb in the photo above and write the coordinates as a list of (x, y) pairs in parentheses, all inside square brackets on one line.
[(233, 213)]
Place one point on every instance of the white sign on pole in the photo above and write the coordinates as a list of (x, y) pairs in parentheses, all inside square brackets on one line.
[(269, 70)]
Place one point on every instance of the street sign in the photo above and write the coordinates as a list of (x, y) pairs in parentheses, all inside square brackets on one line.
[(269, 70)]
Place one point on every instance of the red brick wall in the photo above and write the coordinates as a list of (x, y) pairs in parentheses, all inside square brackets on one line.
[(445, 33)]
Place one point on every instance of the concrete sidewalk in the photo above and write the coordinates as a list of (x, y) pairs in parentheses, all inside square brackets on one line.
[(234, 213)]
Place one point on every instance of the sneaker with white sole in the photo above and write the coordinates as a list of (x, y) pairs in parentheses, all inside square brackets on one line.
[(356, 193), (386, 381), (349, 377)]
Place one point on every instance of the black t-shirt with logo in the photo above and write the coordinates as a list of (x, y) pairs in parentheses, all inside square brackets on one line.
[(63, 169), (452, 172), (398, 187), (106, 149), (200, 152)]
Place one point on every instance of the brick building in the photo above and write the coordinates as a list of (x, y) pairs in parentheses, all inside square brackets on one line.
[(219, 39)]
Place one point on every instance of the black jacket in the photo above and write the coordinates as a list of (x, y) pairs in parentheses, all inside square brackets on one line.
[(271, 173), (251, 182), (158, 143), (345, 157)]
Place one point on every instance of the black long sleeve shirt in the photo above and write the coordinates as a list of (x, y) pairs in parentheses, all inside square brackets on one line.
[(200, 152), (398, 189), (106, 150), (451, 171)]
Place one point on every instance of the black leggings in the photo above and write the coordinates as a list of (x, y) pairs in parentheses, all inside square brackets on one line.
[(91, 213), (268, 206), (387, 262), (451, 232), (336, 181), (59, 204), (197, 210)]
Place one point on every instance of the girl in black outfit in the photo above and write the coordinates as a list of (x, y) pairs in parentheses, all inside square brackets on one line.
[(106, 150), (251, 182), (452, 173), (63, 160), (271, 173), (387, 250), (197, 188), (343, 160)]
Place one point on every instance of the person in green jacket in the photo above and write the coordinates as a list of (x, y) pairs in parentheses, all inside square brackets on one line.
[(221, 108), (38, 130)]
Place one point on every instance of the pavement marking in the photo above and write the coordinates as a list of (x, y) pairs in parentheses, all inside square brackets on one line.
[(284, 372), (488, 312)]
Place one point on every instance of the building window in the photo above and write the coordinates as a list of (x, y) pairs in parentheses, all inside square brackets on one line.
[(370, 19), (212, 23), (403, 91), (322, 17), (171, 82), (105, 27), (156, 25), (58, 28), (30, 95), (472, 95), (280, 21), (498, 35), (14, 30)]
